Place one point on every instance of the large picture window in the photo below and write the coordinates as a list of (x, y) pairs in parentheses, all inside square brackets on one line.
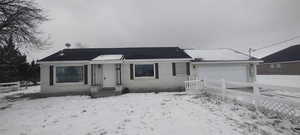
[(69, 74), (144, 70)]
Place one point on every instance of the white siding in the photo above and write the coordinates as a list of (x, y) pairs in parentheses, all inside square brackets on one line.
[(56, 88), (166, 81), (232, 72), (180, 68)]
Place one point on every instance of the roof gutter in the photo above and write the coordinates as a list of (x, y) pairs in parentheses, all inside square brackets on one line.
[(282, 62), (158, 60), (64, 62), (114, 61)]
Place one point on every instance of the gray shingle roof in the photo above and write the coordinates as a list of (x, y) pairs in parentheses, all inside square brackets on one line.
[(289, 54)]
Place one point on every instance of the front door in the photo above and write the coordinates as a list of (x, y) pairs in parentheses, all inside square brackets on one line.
[(109, 75)]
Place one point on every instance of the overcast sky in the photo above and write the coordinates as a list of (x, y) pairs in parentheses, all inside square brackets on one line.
[(201, 24)]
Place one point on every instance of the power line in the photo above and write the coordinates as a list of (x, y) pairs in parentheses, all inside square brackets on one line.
[(277, 43), (236, 51)]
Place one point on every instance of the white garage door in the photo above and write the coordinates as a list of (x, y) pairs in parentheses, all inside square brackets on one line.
[(232, 72)]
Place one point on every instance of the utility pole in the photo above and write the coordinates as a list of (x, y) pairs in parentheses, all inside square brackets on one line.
[(250, 52)]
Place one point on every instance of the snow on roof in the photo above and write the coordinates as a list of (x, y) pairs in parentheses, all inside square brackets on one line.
[(108, 57), (217, 55)]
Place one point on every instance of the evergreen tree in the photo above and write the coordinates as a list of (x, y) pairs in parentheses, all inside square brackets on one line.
[(33, 72), (11, 61)]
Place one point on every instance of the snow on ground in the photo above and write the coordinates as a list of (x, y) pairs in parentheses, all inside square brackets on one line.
[(280, 80), (282, 85), (135, 113), (22, 91)]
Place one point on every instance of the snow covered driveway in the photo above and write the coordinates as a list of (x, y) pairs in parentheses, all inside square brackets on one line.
[(130, 114)]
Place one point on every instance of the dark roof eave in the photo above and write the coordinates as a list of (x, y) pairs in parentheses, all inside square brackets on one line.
[(129, 53), (189, 59)]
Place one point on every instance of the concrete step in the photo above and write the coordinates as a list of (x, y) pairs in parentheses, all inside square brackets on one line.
[(103, 93)]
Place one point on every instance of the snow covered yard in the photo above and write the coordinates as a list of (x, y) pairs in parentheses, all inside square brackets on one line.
[(286, 86), (280, 80), (144, 113)]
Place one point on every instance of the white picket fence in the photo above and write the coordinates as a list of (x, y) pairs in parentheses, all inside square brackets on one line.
[(12, 86), (249, 93)]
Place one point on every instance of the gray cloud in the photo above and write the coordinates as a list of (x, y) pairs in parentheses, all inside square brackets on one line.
[(237, 24)]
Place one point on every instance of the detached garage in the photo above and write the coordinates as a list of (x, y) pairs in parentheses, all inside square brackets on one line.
[(225, 64)]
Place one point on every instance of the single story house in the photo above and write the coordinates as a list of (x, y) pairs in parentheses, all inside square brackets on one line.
[(140, 69), (137, 69), (284, 62)]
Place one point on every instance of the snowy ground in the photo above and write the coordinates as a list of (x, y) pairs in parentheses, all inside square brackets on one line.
[(280, 80), (283, 85), (132, 114)]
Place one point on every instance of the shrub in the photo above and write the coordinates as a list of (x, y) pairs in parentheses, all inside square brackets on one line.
[(125, 90)]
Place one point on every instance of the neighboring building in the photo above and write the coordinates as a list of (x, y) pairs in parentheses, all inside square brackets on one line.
[(284, 62), (138, 69)]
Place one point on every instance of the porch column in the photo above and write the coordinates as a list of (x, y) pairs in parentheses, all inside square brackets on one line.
[(118, 74), (92, 75), (254, 72)]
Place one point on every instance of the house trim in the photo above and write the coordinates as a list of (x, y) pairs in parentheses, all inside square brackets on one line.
[(156, 60), (118, 61), (282, 62), (148, 77), (64, 62), (106, 62), (67, 83)]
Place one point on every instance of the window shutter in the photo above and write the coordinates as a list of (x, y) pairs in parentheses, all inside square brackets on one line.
[(188, 68), (131, 71), (85, 73), (174, 69), (92, 74), (156, 71), (51, 75)]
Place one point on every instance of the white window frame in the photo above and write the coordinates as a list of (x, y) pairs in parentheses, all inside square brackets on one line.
[(145, 77), (68, 83)]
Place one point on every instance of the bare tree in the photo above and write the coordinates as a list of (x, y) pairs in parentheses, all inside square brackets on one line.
[(19, 20)]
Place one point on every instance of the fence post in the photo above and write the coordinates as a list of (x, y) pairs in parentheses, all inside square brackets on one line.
[(256, 95), (223, 86), (18, 85), (197, 83), (203, 83), (186, 85), (26, 85)]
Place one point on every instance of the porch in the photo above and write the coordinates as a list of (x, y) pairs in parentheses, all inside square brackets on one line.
[(106, 75)]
